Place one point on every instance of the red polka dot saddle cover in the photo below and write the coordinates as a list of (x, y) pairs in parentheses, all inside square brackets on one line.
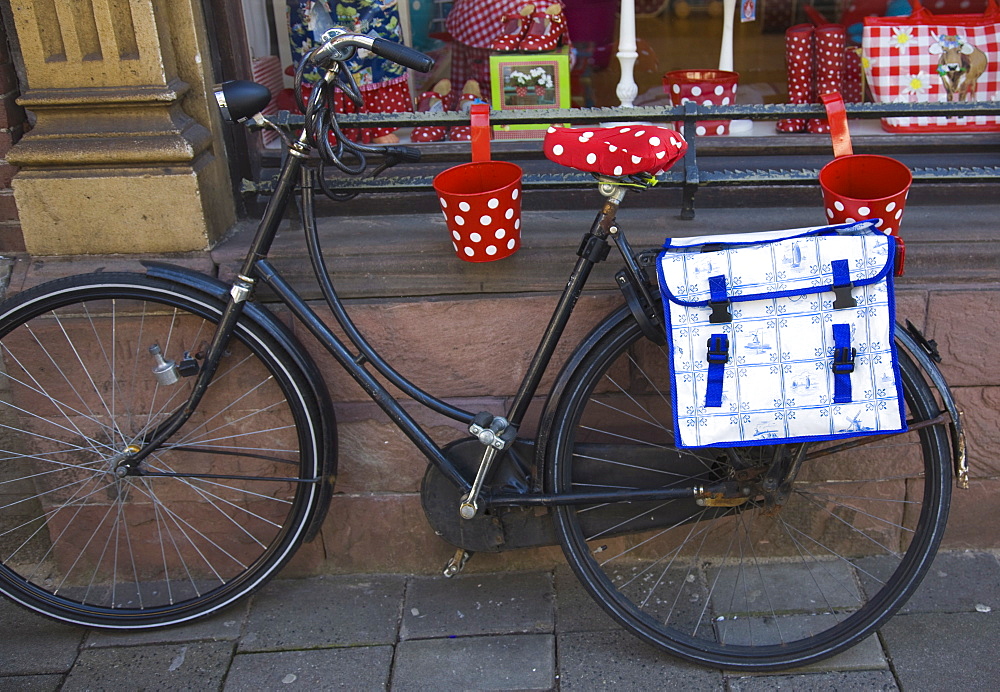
[(615, 151)]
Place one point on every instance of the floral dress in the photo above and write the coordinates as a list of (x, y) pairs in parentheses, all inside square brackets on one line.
[(382, 82)]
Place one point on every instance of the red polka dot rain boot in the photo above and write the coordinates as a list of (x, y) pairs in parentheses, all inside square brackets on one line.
[(829, 68), (799, 62)]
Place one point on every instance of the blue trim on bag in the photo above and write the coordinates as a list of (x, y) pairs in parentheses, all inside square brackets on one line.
[(862, 228), (888, 275), (788, 440)]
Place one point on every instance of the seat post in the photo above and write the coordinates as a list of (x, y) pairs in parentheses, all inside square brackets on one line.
[(613, 194)]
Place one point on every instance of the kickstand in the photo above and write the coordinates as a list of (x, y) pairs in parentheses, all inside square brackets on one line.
[(457, 562)]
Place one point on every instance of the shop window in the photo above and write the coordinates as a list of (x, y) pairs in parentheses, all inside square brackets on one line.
[(672, 35)]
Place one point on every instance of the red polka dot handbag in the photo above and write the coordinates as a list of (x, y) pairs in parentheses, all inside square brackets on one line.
[(930, 57)]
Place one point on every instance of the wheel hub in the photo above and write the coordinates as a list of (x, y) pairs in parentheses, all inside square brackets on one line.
[(121, 463)]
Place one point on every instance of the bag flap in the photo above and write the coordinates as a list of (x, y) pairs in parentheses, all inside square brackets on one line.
[(773, 264)]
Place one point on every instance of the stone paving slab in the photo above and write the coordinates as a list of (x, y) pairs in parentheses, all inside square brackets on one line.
[(864, 655), (32, 683), (785, 587), (617, 660), (40, 645), (512, 662), (576, 610), (862, 681), (944, 651), (357, 668), (192, 666), (478, 604), (324, 611), (32, 271), (960, 581), (226, 626)]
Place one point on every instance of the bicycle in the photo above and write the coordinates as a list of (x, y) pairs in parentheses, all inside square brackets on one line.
[(168, 444)]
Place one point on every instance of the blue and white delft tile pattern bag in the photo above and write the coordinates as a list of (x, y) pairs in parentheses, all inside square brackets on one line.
[(781, 336)]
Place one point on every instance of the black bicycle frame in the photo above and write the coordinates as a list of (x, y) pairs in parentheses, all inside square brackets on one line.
[(594, 248)]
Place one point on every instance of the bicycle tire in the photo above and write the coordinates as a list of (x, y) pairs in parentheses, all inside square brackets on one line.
[(732, 587), (81, 545)]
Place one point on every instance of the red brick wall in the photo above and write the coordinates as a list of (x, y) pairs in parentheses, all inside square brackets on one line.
[(12, 126)]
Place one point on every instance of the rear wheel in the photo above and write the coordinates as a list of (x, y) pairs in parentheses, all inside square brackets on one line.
[(227, 499), (755, 582)]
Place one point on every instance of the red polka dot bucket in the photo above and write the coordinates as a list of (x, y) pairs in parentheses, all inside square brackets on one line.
[(706, 88), (861, 186), (481, 201)]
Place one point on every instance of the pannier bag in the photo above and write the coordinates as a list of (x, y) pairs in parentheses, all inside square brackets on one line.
[(782, 336)]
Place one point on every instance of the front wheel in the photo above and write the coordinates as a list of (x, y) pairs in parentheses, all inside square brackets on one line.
[(226, 500), (761, 583)]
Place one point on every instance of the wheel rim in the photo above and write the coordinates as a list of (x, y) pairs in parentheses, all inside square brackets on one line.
[(750, 587), (85, 545)]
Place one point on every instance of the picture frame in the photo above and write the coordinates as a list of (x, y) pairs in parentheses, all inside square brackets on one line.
[(528, 81)]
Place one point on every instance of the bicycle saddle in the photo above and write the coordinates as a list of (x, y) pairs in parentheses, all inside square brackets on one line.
[(615, 151)]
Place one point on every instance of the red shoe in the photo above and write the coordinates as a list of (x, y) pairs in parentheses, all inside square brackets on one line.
[(546, 31), (432, 102), (514, 27)]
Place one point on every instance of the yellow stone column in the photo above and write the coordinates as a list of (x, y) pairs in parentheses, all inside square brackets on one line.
[(125, 155)]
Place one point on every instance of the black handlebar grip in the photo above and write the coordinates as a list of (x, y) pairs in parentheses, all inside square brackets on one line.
[(404, 55)]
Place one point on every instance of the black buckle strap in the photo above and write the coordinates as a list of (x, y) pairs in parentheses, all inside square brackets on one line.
[(843, 298), (718, 349), (720, 312), (843, 360)]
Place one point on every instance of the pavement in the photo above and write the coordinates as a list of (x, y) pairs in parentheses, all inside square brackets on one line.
[(534, 630)]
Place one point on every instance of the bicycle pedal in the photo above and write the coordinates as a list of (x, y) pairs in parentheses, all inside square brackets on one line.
[(457, 563)]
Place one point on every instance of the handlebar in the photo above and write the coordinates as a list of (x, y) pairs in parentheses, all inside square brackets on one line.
[(240, 100), (404, 55), (339, 45)]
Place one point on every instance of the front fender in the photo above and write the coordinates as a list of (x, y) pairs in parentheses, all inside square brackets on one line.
[(219, 290)]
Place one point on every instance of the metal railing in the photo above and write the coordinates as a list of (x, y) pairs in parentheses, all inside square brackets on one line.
[(692, 173)]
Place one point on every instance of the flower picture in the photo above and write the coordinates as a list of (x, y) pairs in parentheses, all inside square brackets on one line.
[(527, 82)]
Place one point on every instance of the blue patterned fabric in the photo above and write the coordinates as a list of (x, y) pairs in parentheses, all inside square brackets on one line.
[(308, 20), (798, 368)]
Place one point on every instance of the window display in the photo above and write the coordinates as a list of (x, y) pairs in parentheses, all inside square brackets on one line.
[(784, 52)]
